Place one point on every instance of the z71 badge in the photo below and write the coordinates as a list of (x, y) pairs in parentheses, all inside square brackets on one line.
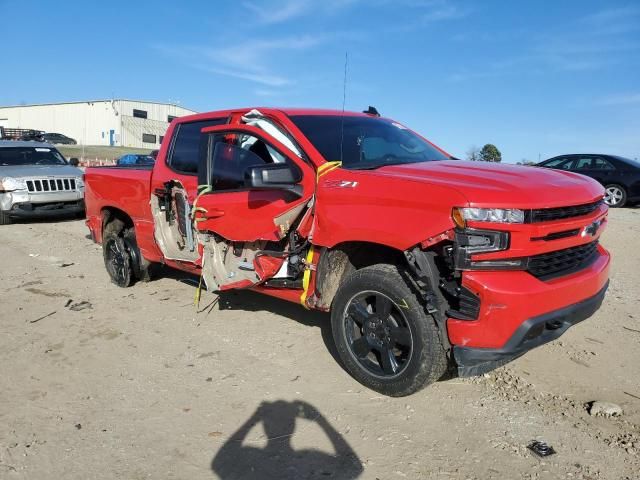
[(340, 184)]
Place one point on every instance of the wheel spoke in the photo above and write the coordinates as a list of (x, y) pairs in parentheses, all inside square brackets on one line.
[(358, 312), (383, 307), (613, 196), (361, 347), (401, 336), (388, 361)]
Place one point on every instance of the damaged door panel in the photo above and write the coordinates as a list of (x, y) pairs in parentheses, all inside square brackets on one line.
[(254, 191), (173, 226), (235, 264)]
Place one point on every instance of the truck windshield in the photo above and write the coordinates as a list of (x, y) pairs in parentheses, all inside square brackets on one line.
[(365, 142), (30, 156)]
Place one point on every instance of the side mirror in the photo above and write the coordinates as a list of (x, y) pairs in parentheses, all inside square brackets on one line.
[(276, 176), (74, 162)]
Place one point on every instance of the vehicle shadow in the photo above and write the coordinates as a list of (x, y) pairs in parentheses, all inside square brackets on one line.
[(240, 458)]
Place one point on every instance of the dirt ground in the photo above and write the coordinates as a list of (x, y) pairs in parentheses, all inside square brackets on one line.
[(137, 384)]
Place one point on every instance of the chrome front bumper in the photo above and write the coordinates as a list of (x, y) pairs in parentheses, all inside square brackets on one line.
[(24, 203)]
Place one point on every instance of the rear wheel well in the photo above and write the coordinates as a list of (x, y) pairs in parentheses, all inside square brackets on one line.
[(115, 220)]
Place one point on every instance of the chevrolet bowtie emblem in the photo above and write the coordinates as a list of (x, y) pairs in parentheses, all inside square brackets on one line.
[(592, 229)]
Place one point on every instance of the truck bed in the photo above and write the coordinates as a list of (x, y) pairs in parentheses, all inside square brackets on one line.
[(125, 188)]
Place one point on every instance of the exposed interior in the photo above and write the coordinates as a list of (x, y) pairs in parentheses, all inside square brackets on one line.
[(224, 262), (173, 230)]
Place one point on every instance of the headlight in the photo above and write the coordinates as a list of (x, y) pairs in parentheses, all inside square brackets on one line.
[(469, 242), (495, 215), (9, 184), (79, 183)]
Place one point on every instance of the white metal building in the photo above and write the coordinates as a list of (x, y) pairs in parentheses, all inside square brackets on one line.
[(127, 123)]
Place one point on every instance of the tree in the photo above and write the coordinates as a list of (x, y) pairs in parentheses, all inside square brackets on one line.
[(473, 154), (490, 153)]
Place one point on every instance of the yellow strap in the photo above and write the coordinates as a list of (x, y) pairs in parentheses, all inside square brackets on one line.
[(196, 298), (204, 190), (306, 277), (328, 167)]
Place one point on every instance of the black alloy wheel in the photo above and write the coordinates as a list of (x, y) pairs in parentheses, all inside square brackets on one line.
[(385, 338), (117, 261), (378, 334)]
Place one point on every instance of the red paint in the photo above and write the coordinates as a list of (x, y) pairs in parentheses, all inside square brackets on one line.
[(396, 206), (267, 267), (510, 298)]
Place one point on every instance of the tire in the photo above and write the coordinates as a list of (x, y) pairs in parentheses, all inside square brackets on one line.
[(140, 265), (5, 219), (396, 353), (117, 259), (615, 195)]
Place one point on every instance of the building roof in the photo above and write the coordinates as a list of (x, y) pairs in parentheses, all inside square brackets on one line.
[(108, 100)]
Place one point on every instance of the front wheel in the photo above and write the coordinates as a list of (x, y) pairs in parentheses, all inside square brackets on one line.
[(615, 195), (383, 335)]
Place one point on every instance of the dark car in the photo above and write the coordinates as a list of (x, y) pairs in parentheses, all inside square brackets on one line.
[(135, 159), (59, 139), (620, 176)]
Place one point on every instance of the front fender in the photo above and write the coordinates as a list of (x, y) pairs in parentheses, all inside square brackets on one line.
[(400, 213)]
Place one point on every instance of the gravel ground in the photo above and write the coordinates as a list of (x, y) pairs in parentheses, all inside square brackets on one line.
[(101, 382)]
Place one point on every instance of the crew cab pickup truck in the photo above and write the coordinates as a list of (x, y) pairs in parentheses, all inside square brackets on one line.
[(424, 261)]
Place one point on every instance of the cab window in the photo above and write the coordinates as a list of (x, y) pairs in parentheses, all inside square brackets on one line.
[(187, 145)]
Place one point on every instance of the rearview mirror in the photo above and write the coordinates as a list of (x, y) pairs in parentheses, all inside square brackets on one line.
[(74, 162), (275, 176)]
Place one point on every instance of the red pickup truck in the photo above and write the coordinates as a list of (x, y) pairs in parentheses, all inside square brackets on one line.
[(424, 261)]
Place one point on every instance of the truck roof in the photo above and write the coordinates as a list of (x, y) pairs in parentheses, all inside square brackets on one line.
[(24, 143), (266, 110)]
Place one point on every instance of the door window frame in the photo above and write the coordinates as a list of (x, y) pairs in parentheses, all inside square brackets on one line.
[(260, 135)]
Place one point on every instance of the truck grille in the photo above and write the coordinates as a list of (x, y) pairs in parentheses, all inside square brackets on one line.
[(51, 185), (562, 262), (548, 214)]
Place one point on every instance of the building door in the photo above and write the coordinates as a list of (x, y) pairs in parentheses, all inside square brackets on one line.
[(112, 139)]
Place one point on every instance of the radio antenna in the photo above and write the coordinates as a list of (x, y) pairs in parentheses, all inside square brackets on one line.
[(344, 101)]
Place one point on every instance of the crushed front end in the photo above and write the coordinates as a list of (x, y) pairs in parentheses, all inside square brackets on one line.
[(522, 278)]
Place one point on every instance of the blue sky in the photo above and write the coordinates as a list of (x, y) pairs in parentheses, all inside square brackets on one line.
[(534, 78)]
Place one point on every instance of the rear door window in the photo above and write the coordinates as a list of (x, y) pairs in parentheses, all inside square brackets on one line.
[(188, 144), (600, 163)]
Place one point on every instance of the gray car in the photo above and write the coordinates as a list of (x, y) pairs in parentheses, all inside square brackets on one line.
[(37, 181)]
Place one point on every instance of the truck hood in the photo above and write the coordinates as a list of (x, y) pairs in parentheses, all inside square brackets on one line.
[(501, 186), (20, 171)]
